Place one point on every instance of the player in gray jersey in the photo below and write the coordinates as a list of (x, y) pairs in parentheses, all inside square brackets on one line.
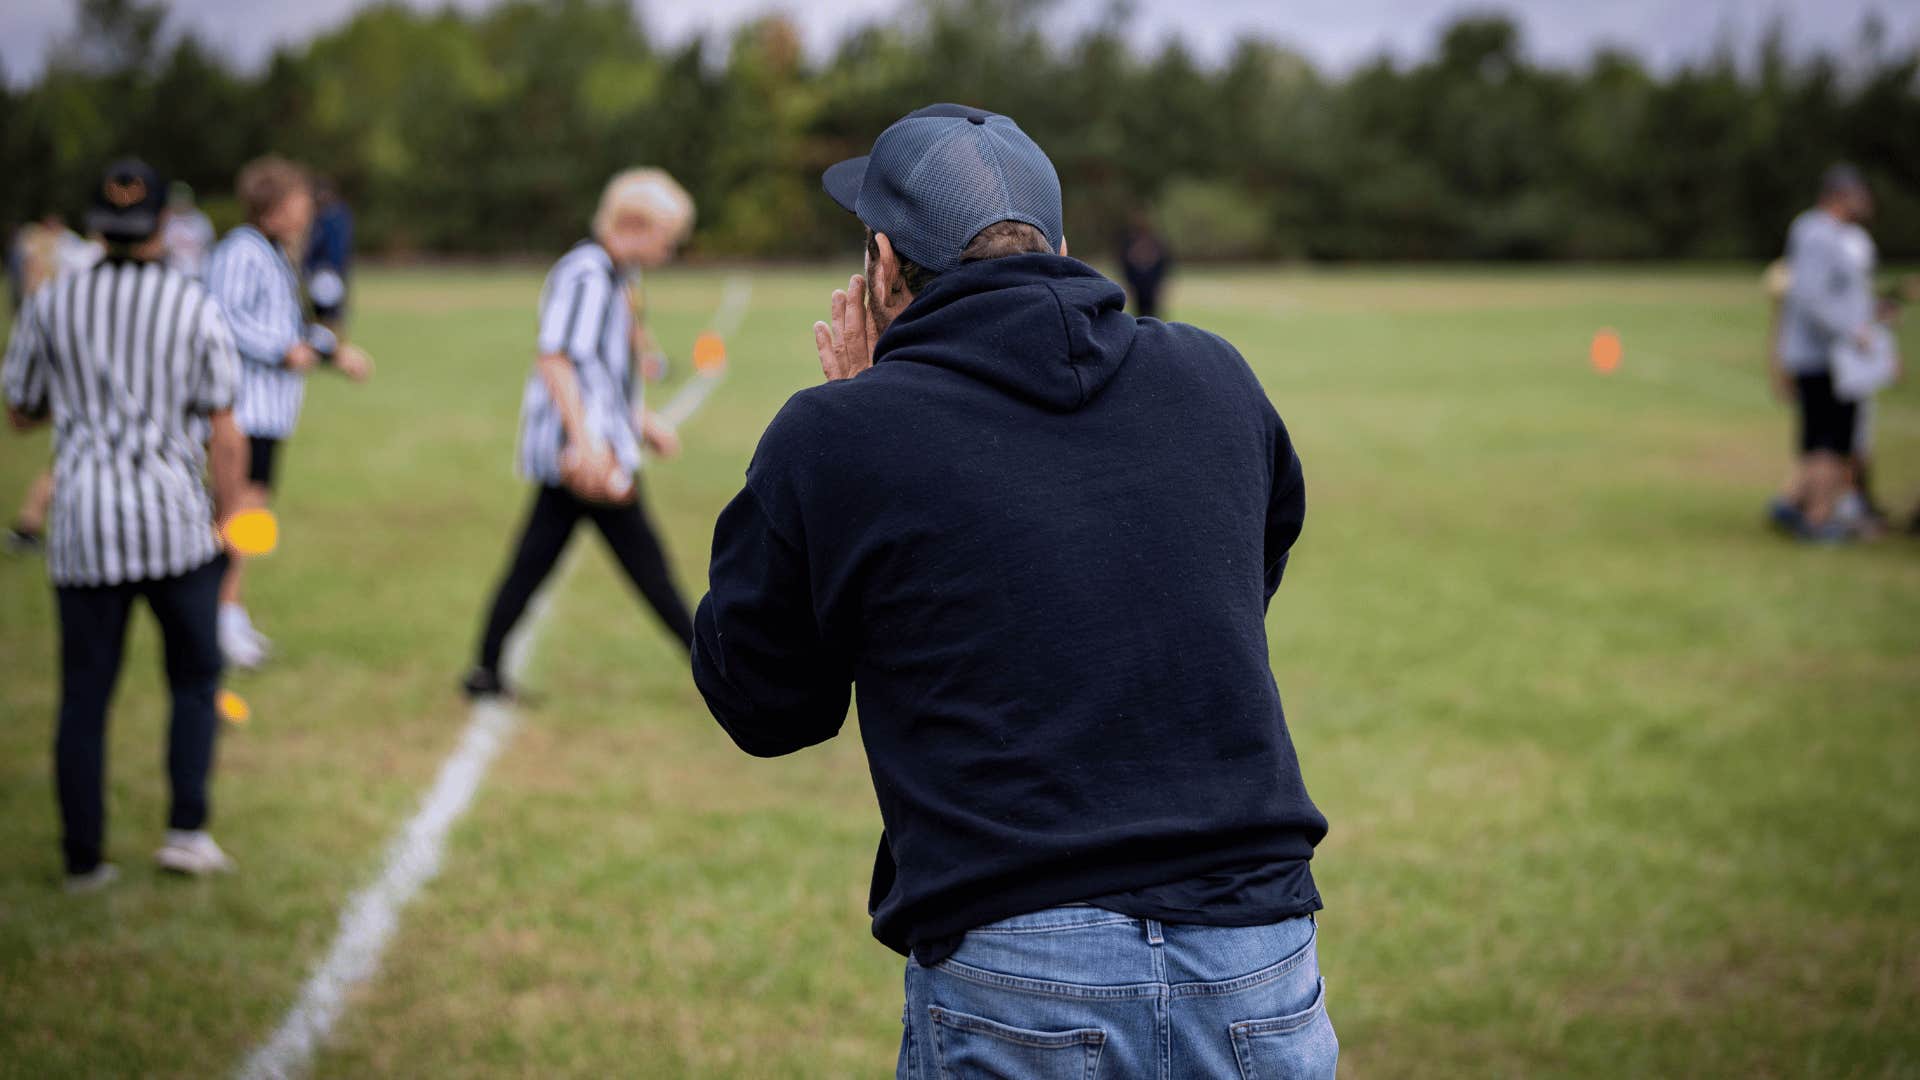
[(1828, 303), (134, 366)]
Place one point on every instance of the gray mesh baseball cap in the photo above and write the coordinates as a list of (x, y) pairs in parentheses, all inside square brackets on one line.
[(941, 174)]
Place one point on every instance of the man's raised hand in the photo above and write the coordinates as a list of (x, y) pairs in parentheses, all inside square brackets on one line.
[(846, 343)]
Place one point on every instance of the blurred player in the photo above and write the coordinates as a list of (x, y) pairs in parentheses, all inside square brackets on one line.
[(132, 362), (1860, 371), (188, 234), (49, 249), (329, 256), (1144, 262), (253, 278), (1828, 301), (581, 418), (42, 252)]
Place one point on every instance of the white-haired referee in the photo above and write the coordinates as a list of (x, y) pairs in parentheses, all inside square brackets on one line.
[(581, 419), (134, 365)]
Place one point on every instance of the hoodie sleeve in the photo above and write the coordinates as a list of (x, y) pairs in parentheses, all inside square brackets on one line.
[(1824, 285), (1286, 506), (758, 654)]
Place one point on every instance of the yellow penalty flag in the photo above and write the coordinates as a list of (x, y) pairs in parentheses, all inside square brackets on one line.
[(252, 532), (232, 707)]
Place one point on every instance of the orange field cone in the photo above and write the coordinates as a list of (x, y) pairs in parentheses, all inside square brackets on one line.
[(1605, 351)]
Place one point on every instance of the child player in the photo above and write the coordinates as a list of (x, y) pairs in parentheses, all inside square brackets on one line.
[(582, 424), (253, 278)]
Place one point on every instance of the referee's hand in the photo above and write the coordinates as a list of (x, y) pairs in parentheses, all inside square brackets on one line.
[(354, 362), (662, 440), (594, 474), (302, 357)]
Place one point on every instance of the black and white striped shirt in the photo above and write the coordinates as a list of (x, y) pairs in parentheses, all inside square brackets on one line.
[(250, 276), (130, 358), (584, 314)]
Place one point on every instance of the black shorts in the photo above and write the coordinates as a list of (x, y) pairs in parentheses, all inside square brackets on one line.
[(1826, 422), (261, 452)]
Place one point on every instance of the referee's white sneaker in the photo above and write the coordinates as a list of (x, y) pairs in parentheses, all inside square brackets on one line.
[(93, 880), (239, 642), (192, 852)]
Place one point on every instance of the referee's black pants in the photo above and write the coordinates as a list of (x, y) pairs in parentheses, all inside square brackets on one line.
[(549, 525), (93, 634)]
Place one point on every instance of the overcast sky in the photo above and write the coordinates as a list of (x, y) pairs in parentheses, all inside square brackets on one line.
[(1336, 33)]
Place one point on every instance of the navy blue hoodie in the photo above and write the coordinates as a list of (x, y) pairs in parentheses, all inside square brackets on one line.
[(1038, 538)]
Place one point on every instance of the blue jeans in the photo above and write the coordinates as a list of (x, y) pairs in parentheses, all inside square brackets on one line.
[(1081, 992)]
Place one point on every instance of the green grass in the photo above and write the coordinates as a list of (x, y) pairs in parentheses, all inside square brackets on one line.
[(1620, 783)]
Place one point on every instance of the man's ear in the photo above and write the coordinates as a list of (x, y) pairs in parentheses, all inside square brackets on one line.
[(885, 271), (1063, 243)]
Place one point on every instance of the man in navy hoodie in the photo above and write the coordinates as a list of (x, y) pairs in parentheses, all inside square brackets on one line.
[(1038, 536)]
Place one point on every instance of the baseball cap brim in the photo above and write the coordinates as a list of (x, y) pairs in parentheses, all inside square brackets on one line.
[(134, 223), (843, 182)]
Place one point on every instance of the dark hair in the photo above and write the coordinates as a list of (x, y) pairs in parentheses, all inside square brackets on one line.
[(1841, 177), (996, 241)]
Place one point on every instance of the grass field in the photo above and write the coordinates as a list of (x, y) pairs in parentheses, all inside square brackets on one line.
[(1620, 783)]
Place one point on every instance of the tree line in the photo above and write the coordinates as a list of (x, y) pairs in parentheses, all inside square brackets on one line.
[(490, 132)]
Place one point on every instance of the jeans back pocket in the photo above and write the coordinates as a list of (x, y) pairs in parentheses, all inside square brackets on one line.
[(975, 1048), (1297, 1047)]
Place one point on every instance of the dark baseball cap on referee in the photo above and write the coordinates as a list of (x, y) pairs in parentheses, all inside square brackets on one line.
[(127, 205), (941, 174)]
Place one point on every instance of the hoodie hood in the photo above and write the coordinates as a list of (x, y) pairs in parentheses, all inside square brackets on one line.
[(1044, 328)]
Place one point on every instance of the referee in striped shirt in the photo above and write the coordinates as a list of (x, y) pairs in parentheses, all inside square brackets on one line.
[(135, 366), (581, 419), (252, 277)]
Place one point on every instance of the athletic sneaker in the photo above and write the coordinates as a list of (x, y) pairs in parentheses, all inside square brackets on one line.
[(21, 541), (1784, 515), (244, 619), (260, 640), (1851, 510), (93, 880), (485, 684), (238, 640), (192, 852), (1833, 532)]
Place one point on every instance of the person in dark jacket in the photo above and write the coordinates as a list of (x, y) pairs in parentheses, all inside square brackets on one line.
[(1038, 538), (1144, 262), (329, 257)]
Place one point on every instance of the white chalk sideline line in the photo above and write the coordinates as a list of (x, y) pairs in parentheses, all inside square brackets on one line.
[(413, 859), (735, 296)]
